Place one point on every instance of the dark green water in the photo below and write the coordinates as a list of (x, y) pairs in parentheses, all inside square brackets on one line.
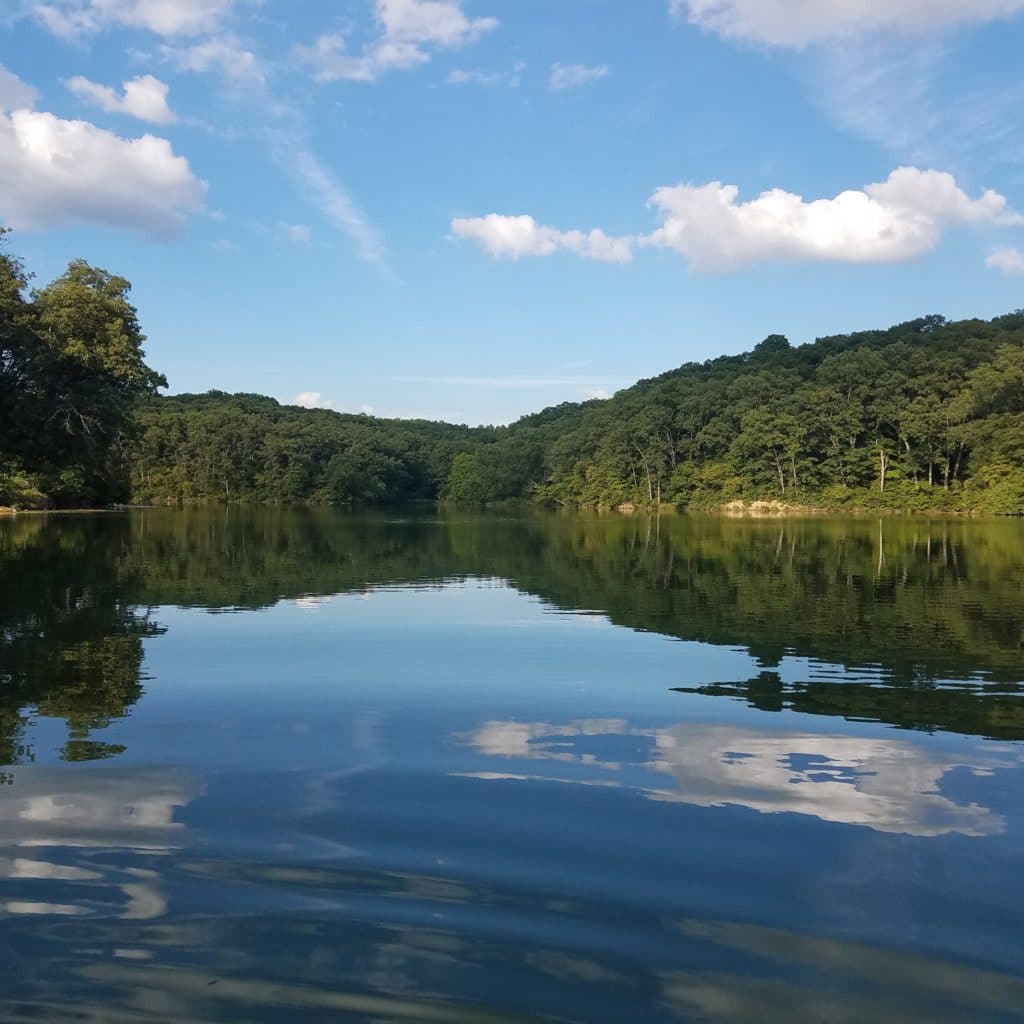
[(267, 765)]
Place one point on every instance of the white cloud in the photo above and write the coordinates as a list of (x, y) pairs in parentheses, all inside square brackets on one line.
[(441, 22), (366, 410), (596, 393), (69, 19), (1009, 261), (144, 97), (513, 79), (312, 400), (225, 54), (572, 76), (300, 234), (516, 237), (407, 28), (331, 62), (896, 220), (54, 172), (14, 93), (796, 23)]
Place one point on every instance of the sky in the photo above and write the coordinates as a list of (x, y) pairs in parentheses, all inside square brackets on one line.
[(474, 209)]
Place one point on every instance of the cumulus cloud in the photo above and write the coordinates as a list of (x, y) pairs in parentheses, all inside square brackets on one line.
[(895, 220), (70, 19), (796, 23), (572, 76), (515, 237), (312, 400), (144, 97), (54, 172), (14, 93), (1009, 261), (407, 31)]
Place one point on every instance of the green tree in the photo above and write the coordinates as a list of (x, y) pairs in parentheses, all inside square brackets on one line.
[(466, 484)]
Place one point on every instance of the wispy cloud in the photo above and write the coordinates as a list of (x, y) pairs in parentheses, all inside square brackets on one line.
[(573, 76), (226, 54), (70, 19), (323, 188), (581, 385), (282, 126), (300, 234), (408, 32), (512, 79), (798, 23), (891, 94)]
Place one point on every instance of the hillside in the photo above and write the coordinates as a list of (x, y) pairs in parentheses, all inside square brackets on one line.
[(927, 415)]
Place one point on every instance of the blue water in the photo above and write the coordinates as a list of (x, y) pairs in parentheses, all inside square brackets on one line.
[(449, 798)]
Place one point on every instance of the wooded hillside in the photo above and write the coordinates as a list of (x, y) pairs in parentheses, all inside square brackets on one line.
[(927, 415)]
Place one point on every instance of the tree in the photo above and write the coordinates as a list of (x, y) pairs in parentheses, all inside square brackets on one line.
[(72, 369), (466, 481)]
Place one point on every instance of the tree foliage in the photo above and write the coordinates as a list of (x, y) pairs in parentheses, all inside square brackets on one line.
[(72, 369), (926, 415)]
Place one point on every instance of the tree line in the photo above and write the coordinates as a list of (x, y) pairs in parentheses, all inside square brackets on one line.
[(927, 415)]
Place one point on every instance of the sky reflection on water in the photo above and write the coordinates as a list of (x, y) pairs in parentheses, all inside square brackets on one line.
[(451, 798)]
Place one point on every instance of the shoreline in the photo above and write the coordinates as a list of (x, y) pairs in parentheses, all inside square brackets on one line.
[(736, 509)]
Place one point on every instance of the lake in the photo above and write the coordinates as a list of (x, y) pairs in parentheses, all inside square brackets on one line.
[(277, 765)]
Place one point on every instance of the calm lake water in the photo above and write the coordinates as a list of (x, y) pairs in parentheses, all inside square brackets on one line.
[(270, 765)]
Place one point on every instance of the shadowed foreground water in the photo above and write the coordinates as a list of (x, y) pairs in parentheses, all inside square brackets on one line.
[(270, 765)]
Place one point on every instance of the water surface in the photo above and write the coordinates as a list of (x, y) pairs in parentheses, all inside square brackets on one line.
[(269, 765)]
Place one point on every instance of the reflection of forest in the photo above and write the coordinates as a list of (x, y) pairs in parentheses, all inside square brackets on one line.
[(903, 603), (70, 633)]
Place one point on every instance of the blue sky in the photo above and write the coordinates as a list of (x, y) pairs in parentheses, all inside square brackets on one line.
[(473, 210)]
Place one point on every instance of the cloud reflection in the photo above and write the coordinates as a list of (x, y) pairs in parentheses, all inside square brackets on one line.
[(889, 785), (83, 816)]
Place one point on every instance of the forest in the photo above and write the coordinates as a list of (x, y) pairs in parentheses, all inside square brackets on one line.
[(924, 416)]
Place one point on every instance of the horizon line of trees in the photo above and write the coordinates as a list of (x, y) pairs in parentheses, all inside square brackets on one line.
[(928, 414)]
